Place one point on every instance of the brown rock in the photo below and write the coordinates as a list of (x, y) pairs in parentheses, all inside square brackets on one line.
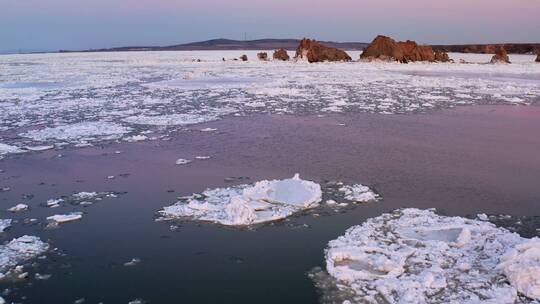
[(281, 54), (500, 56), (314, 51), (538, 55), (383, 48), (262, 56), (441, 56), (244, 58), (414, 52)]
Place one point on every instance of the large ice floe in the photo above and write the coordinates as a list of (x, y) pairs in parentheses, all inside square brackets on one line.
[(51, 99), (241, 205), (417, 256), (19, 251)]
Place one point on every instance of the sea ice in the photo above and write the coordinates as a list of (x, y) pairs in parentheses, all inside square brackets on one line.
[(417, 256), (18, 251), (8, 149), (358, 193), (170, 120), (77, 131), (4, 224), (64, 218), (182, 161), (242, 205), (18, 208)]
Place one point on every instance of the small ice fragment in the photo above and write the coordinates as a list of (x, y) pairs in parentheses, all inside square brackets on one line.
[(79, 301), (202, 157), (133, 262), (4, 224), (40, 148), (208, 130), (7, 149), (331, 202), (64, 218), (42, 277), (482, 217), (359, 193), (85, 203), (54, 203), (85, 195), (136, 301), (136, 138), (18, 208), (110, 177), (182, 161)]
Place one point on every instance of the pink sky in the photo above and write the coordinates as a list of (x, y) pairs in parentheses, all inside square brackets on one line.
[(54, 24)]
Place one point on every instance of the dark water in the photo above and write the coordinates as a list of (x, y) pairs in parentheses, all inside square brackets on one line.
[(462, 162)]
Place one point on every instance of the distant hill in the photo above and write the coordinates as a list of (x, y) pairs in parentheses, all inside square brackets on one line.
[(227, 44), (513, 48), (292, 44)]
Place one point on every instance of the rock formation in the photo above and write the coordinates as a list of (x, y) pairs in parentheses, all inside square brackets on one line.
[(441, 56), (262, 56), (387, 49), (500, 56), (383, 48), (314, 51), (281, 54), (244, 58)]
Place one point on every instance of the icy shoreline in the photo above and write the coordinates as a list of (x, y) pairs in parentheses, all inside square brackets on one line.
[(417, 256)]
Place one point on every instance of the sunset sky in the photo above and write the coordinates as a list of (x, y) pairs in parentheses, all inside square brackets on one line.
[(82, 24)]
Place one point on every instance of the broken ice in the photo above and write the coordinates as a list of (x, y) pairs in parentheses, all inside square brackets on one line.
[(241, 205), (417, 256)]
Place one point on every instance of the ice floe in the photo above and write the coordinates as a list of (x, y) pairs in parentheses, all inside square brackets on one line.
[(241, 205), (8, 149), (77, 131), (64, 218), (4, 224), (18, 208), (358, 193), (417, 256), (18, 251), (182, 161)]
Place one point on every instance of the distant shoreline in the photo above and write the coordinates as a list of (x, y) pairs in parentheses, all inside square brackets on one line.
[(291, 45)]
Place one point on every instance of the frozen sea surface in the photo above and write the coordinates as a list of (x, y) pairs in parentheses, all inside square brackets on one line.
[(86, 98), (416, 256)]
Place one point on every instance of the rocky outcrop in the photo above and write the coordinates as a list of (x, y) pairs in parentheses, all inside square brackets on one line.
[(441, 56), (387, 49), (244, 58), (414, 52), (281, 54), (538, 55), (500, 56), (383, 48), (314, 51), (262, 56)]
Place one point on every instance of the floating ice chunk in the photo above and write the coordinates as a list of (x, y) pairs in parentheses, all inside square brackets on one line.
[(80, 130), (18, 208), (64, 218), (53, 203), (171, 119), (133, 262), (20, 250), (248, 204), (136, 138), (522, 268), (208, 130), (482, 217), (4, 224), (359, 193), (136, 301), (42, 277), (416, 256), (202, 157), (182, 161), (39, 148), (7, 149), (85, 195)]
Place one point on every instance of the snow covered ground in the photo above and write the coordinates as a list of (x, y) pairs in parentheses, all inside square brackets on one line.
[(80, 99), (417, 256)]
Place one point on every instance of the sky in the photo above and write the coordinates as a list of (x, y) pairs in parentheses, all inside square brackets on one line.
[(38, 25)]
